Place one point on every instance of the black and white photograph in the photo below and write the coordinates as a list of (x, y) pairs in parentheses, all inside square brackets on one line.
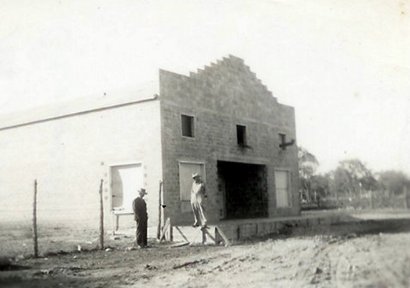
[(204, 143)]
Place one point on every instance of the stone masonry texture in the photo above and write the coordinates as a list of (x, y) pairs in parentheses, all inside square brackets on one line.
[(221, 96)]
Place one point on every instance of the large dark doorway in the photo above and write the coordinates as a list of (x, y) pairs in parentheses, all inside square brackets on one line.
[(245, 189)]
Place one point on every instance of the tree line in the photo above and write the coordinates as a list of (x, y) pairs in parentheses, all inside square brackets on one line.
[(350, 181)]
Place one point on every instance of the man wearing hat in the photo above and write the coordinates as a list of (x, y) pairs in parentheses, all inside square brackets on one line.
[(197, 195), (141, 217)]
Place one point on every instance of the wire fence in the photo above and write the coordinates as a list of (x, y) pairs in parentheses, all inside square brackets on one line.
[(39, 222), (378, 199), (42, 229)]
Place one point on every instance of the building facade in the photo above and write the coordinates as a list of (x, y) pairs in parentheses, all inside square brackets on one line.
[(234, 140), (221, 122), (70, 149)]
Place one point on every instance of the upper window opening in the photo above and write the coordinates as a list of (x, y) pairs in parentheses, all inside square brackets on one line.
[(187, 125), (241, 135)]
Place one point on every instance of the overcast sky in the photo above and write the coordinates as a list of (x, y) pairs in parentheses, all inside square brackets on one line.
[(344, 65)]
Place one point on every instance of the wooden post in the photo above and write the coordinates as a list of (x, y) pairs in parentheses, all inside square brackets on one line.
[(101, 216), (165, 230), (159, 210), (35, 220), (203, 236), (171, 232)]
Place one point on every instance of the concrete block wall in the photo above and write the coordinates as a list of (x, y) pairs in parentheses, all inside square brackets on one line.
[(220, 97), (242, 230), (69, 156)]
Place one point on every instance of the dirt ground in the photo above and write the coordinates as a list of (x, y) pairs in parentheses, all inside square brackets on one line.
[(375, 253)]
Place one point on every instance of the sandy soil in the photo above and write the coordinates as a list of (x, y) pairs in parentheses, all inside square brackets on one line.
[(371, 254)]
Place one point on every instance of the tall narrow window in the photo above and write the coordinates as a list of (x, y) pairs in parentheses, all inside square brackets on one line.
[(241, 135), (282, 144), (187, 123)]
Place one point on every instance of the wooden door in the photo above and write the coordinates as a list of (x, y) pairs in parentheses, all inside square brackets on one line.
[(282, 188)]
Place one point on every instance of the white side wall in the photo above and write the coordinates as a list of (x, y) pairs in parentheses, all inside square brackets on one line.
[(69, 156)]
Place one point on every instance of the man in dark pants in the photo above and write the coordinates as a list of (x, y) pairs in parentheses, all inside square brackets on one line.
[(141, 217)]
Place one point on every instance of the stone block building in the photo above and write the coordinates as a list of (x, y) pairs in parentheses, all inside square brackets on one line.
[(221, 122)]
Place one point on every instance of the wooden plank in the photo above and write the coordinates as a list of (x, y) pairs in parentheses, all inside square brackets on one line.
[(117, 222), (203, 236), (116, 219), (180, 245), (189, 263), (218, 238), (223, 236), (205, 231), (113, 222), (182, 234), (171, 231)]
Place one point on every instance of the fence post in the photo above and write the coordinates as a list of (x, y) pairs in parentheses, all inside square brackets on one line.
[(35, 220), (101, 216), (159, 210)]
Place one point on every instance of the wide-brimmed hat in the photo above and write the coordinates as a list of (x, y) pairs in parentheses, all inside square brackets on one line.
[(142, 191), (194, 175)]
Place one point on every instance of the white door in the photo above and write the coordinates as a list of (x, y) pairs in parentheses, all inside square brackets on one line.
[(282, 188), (125, 180)]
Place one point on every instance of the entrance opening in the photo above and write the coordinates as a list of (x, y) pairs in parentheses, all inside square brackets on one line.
[(125, 181), (245, 189)]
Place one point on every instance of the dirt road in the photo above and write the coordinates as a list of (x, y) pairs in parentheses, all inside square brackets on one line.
[(375, 254)]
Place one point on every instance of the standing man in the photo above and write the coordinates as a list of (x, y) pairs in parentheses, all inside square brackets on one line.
[(141, 217), (197, 194)]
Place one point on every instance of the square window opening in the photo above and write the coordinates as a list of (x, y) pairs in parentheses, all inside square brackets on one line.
[(187, 123)]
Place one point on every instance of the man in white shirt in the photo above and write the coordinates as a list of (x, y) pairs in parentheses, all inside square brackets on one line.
[(197, 194)]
